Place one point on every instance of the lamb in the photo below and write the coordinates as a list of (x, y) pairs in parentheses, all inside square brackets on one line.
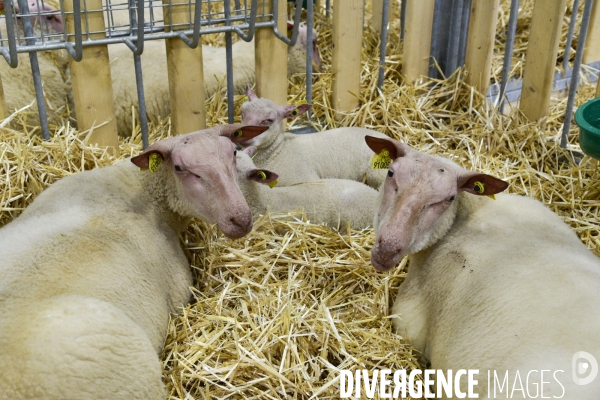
[(334, 202), (91, 270), (337, 153), (154, 74), (498, 286), (17, 83)]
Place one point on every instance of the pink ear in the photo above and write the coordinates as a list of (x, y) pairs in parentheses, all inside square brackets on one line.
[(239, 133), (250, 94), (250, 150), (294, 111), (481, 184), (377, 144), (164, 148), (261, 176), (290, 25)]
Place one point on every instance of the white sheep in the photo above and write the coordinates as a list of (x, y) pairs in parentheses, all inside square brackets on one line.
[(334, 202), (91, 270), (17, 83), (337, 153), (496, 286), (154, 73)]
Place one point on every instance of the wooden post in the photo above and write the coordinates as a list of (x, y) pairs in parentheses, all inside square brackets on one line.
[(540, 60), (3, 110), (377, 12), (185, 73), (480, 43), (90, 77), (271, 57), (347, 46), (592, 43), (417, 38), (598, 88)]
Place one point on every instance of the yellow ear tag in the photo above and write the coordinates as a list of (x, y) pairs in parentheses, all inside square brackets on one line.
[(154, 161), (272, 184), (302, 102), (245, 99), (480, 188), (261, 175), (295, 112), (381, 160), (238, 133)]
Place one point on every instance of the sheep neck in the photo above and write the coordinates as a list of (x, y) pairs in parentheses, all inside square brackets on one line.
[(161, 192)]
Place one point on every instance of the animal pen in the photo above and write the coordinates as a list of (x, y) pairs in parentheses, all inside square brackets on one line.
[(280, 312)]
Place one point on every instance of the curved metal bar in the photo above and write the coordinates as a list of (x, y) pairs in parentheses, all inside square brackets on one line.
[(11, 55), (138, 25), (247, 37), (76, 51), (284, 38), (196, 31)]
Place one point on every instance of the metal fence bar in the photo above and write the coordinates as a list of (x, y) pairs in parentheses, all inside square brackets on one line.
[(585, 20), (383, 42), (511, 30), (229, 65), (10, 55), (309, 60), (570, 35), (35, 69)]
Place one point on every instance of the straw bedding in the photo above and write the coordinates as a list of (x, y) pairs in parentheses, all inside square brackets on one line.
[(279, 312)]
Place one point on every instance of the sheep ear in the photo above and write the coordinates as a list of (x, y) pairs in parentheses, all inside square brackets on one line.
[(251, 95), (290, 25), (262, 176), (162, 149), (239, 133), (378, 144), (481, 184), (295, 111)]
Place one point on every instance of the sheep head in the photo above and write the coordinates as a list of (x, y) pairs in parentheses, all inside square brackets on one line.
[(419, 190), (263, 112), (196, 174)]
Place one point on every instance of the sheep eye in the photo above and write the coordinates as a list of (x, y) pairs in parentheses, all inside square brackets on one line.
[(451, 198), (390, 173), (178, 168), (235, 152)]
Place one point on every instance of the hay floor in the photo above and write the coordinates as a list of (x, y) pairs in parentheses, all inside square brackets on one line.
[(277, 313)]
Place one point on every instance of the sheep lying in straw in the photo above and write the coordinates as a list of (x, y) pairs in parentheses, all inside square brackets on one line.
[(17, 83), (498, 286), (154, 73), (93, 267), (334, 202), (337, 153)]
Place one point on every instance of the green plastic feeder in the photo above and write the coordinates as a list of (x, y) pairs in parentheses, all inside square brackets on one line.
[(588, 119)]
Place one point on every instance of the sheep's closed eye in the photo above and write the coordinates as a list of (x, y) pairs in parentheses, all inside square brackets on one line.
[(266, 122), (450, 199), (178, 168)]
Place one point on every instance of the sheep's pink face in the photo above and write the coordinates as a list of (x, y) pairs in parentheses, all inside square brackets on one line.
[(205, 167), (48, 18), (202, 166), (417, 191), (303, 38)]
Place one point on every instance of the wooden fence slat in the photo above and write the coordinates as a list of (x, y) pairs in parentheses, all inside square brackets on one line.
[(598, 88), (3, 110), (592, 43), (347, 45), (271, 57), (185, 73), (91, 81), (480, 42), (540, 60), (417, 38)]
